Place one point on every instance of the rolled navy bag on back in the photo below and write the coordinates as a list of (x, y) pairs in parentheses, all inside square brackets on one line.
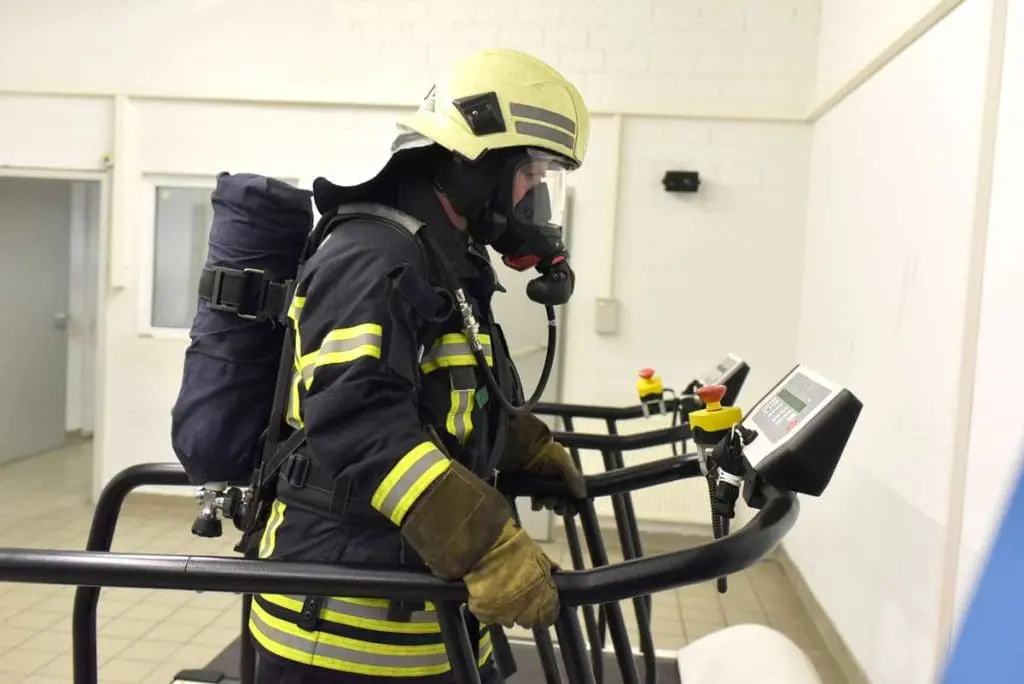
[(259, 229)]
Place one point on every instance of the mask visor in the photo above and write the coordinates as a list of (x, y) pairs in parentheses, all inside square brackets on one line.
[(539, 193)]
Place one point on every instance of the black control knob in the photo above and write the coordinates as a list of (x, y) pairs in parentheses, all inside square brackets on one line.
[(203, 526)]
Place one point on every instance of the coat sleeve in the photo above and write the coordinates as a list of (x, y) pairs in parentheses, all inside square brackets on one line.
[(358, 370)]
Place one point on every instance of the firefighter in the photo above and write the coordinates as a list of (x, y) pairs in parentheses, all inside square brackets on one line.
[(403, 438)]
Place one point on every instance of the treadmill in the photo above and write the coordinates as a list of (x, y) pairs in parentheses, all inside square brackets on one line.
[(789, 443)]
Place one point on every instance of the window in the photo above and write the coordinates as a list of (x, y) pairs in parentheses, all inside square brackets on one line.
[(181, 231)]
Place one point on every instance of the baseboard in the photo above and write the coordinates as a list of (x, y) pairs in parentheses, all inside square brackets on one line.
[(75, 437), (848, 664)]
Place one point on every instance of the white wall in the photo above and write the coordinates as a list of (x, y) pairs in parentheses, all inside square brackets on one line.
[(997, 434), (686, 267), (627, 55), (855, 32), (186, 75), (891, 226)]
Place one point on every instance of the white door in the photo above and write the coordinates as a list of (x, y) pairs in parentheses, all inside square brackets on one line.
[(34, 264), (525, 326)]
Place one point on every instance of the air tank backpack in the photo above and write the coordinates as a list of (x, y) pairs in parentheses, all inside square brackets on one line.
[(259, 231), (227, 420)]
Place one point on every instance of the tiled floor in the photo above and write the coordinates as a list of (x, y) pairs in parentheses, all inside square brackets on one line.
[(145, 636)]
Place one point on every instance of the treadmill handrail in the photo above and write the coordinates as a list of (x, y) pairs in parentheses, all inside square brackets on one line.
[(619, 442), (610, 412), (611, 483), (616, 582)]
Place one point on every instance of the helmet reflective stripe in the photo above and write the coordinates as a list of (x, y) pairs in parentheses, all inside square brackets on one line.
[(526, 111), (541, 131), (526, 117)]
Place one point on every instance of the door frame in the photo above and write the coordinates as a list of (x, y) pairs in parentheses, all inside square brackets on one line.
[(103, 178)]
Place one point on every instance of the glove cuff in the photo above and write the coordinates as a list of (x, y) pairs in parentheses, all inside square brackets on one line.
[(527, 436), (456, 522)]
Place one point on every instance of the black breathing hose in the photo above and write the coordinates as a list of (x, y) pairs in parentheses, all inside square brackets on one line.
[(471, 327), (545, 374)]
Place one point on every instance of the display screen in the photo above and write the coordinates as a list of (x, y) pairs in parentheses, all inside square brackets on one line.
[(791, 400), (784, 411)]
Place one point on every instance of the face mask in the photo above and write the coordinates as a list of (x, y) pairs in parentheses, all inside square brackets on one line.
[(524, 224)]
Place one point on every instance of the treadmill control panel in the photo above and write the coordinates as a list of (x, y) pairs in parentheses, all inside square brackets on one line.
[(721, 372), (789, 407), (802, 426)]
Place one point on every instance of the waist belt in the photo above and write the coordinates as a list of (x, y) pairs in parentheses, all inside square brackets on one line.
[(303, 483)]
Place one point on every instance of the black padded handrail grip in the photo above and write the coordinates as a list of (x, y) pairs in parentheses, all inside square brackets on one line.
[(586, 587), (604, 484), (634, 442), (609, 412)]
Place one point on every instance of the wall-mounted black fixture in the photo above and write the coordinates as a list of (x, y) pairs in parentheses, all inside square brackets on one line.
[(681, 181)]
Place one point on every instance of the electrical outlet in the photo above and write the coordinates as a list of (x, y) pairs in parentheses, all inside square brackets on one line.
[(606, 316)]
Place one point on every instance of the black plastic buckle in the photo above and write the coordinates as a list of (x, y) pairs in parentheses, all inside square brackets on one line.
[(297, 471), (401, 611), (217, 303), (309, 618)]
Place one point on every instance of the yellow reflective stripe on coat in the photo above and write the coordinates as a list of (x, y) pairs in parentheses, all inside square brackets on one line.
[(460, 414), (400, 488), (452, 350), (343, 345), (292, 415), (294, 311), (274, 522), (365, 656)]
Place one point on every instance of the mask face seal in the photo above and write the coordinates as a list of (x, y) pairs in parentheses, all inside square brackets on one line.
[(525, 222)]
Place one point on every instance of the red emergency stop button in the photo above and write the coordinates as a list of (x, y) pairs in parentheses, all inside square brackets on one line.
[(711, 394), (647, 373)]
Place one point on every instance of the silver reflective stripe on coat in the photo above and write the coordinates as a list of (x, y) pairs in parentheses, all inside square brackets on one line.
[(360, 610), (404, 484), (453, 350), (459, 421), (342, 654), (340, 349)]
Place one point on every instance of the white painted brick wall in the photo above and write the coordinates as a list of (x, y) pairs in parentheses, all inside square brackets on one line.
[(666, 56)]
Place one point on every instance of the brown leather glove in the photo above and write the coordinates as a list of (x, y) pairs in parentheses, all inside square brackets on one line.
[(463, 529), (529, 448), (511, 584)]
